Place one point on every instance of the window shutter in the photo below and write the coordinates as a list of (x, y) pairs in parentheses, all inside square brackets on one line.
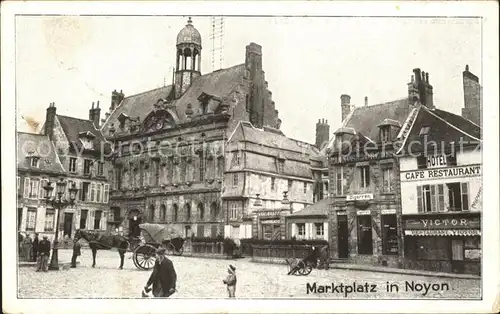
[(440, 196), (367, 174), (433, 198), (35, 188), (26, 187), (420, 200), (40, 188), (90, 220), (106, 193), (465, 196), (80, 192)]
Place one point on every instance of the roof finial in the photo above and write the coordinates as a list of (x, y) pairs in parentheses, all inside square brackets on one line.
[(190, 21)]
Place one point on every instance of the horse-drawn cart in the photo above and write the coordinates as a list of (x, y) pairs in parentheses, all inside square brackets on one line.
[(152, 237)]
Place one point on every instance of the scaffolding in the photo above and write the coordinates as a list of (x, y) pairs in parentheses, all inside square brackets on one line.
[(217, 38)]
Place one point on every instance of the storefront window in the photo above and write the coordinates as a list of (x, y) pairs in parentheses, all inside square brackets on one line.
[(472, 248), (365, 242), (389, 235), (432, 248)]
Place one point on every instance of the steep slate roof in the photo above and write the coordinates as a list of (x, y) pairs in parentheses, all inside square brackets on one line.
[(319, 208), (246, 132), (365, 119), (218, 83), (72, 127), (27, 143), (444, 127)]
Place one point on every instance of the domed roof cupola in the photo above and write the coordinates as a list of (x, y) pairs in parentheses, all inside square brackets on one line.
[(188, 58), (189, 34)]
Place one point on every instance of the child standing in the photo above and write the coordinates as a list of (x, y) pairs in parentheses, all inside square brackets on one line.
[(76, 253), (230, 281)]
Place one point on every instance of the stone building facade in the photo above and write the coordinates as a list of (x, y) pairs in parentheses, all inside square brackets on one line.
[(83, 153), (37, 164), (170, 157)]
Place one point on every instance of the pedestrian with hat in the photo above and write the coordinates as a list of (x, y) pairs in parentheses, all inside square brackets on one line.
[(163, 278), (230, 281), (44, 252)]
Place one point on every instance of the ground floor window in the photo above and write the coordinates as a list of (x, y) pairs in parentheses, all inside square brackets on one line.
[(49, 220), (365, 241), (432, 248), (83, 219), (466, 249), (97, 220), (31, 219), (301, 229), (320, 229), (389, 235)]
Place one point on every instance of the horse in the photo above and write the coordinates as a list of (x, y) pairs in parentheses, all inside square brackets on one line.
[(100, 241)]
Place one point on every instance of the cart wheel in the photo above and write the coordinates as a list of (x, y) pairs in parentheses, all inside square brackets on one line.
[(144, 257), (306, 269)]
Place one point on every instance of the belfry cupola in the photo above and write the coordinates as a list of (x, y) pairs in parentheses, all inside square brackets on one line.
[(188, 58)]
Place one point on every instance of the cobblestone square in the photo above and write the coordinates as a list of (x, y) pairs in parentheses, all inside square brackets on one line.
[(202, 278)]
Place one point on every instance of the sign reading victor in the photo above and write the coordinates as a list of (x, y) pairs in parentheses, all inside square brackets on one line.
[(429, 174), (443, 223)]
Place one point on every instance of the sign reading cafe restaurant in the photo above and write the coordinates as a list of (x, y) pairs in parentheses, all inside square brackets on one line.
[(442, 173)]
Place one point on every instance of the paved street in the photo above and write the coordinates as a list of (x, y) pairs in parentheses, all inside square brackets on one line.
[(202, 278)]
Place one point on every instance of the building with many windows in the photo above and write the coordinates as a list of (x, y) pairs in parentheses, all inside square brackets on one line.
[(82, 152), (37, 164), (440, 174)]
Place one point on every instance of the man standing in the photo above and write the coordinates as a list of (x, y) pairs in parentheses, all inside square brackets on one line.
[(35, 247), (76, 252), (44, 251), (163, 277)]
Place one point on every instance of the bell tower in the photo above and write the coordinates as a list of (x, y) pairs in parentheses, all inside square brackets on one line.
[(188, 58)]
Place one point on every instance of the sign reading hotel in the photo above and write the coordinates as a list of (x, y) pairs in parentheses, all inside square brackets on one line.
[(436, 161), (443, 173)]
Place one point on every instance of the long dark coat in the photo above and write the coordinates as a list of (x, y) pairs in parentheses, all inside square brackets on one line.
[(163, 278)]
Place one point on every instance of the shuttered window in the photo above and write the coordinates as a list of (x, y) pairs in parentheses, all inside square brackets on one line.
[(105, 194)]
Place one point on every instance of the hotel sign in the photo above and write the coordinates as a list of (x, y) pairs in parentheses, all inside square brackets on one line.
[(430, 174), (443, 223), (436, 161), (359, 197)]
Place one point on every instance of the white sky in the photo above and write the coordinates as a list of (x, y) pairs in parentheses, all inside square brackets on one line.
[(309, 62)]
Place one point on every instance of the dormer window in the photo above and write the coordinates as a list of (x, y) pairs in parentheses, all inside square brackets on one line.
[(86, 139), (385, 133), (35, 162)]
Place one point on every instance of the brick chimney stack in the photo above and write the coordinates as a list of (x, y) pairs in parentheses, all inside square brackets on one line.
[(345, 102), (95, 115), (420, 89), (322, 133), (116, 99), (50, 118), (257, 97), (472, 97)]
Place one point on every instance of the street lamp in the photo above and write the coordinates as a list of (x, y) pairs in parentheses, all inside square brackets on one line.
[(285, 200), (58, 203)]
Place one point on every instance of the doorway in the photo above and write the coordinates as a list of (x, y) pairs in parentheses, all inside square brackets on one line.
[(68, 224), (343, 236)]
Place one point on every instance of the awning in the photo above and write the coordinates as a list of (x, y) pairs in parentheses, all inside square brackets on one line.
[(460, 232)]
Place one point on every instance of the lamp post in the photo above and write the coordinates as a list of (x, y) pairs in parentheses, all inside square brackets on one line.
[(58, 203)]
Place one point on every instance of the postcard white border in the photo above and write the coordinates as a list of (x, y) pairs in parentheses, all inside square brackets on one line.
[(489, 12)]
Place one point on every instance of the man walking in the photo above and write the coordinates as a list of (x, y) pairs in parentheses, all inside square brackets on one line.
[(163, 278), (44, 252), (76, 252)]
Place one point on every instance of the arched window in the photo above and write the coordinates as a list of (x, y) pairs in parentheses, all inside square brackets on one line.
[(187, 210), (175, 210), (151, 213), (201, 211), (163, 212), (213, 211)]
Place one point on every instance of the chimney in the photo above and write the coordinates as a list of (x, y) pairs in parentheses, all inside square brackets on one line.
[(322, 133), (116, 99), (420, 89), (97, 116), (472, 97), (345, 101), (91, 112), (50, 120), (253, 65), (366, 100)]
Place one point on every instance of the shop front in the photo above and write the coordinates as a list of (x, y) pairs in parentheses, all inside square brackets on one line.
[(444, 242)]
